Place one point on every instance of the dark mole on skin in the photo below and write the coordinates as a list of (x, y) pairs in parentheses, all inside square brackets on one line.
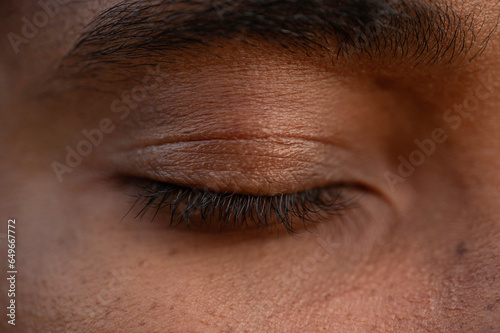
[(461, 249)]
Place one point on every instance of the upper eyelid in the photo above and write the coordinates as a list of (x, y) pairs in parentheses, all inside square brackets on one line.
[(220, 155), (295, 140), (262, 172)]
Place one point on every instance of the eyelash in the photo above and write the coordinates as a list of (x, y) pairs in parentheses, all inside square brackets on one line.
[(237, 210)]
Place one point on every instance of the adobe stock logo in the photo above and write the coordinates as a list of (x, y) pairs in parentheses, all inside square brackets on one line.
[(30, 28), (453, 118), (120, 108)]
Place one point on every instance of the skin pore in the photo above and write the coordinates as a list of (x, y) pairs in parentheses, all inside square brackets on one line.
[(412, 142)]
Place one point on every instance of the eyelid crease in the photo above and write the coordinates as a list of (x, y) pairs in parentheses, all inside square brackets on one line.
[(266, 168), (296, 142), (281, 139)]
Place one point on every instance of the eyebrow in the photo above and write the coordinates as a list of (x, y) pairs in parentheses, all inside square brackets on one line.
[(417, 31)]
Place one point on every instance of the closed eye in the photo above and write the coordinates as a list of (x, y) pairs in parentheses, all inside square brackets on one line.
[(209, 210)]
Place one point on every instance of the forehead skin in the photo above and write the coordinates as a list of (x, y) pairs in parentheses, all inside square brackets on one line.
[(432, 268)]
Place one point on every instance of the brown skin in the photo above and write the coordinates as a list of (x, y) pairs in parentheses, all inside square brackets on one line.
[(422, 258)]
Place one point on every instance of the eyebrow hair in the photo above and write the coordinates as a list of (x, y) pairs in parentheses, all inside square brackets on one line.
[(417, 31)]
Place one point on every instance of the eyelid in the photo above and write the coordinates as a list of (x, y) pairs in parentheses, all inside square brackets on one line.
[(259, 167), (239, 211)]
